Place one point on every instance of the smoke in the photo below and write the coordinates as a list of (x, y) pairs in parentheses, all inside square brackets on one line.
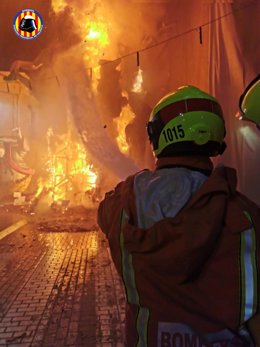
[(76, 87), (64, 87), (63, 84)]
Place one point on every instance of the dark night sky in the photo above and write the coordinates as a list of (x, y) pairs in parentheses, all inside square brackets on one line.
[(11, 46)]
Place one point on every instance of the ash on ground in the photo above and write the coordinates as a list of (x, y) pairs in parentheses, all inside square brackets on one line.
[(74, 219)]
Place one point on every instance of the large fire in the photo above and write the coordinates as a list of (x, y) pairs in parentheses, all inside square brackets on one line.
[(69, 175), (94, 29)]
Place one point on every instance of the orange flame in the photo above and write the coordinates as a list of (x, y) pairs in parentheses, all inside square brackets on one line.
[(125, 118), (68, 171), (95, 33)]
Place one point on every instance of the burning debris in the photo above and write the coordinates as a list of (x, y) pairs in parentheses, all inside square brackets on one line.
[(65, 174), (68, 176), (75, 219), (67, 78)]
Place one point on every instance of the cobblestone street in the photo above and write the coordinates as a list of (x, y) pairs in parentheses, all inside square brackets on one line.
[(59, 289)]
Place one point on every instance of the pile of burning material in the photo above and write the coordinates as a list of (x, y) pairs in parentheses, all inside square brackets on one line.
[(73, 220), (67, 177)]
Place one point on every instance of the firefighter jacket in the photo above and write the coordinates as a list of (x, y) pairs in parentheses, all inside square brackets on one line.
[(186, 245)]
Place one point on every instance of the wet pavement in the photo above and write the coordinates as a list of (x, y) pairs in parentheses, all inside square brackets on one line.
[(7, 220), (59, 289)]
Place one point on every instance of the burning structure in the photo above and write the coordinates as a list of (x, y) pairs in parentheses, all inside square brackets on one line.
[(65, 172), (96, 78), (62, 138)]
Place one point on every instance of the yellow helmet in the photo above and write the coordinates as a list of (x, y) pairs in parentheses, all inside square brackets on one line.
[(187, 121), (249, 102)]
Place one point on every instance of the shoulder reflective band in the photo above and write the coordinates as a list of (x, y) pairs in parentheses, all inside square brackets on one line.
[(189, 105), (248, 272), (127, 267), (131, 290)]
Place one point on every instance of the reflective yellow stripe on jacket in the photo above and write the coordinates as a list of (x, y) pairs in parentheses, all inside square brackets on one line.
[(248, 272), (131, 290)]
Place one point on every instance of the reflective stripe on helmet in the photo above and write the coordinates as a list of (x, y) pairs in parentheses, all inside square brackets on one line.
[(187, 121), (189, 105)]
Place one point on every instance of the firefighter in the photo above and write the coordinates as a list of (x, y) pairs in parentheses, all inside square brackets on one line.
[(183, 239), (249, 102)]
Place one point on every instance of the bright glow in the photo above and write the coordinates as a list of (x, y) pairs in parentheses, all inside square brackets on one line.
[(93, 245), (126, 117), (97, 31), (138, 83), (58, 5), (94, 28), (96, 40), (250, 136), (239, 115), (68, 171), (95, 77), (2, 151)]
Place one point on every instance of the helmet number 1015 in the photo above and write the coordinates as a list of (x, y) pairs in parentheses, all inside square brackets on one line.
[(174, 133)]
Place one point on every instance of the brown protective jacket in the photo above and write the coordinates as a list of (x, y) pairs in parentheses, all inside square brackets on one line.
[(191, 280)]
